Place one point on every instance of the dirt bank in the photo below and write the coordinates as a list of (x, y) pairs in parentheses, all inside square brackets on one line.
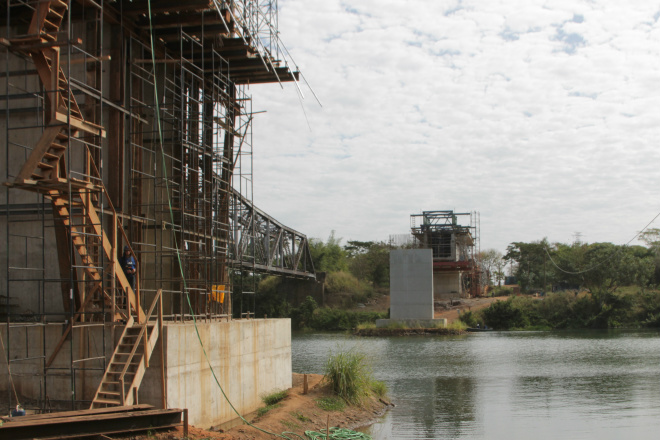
[(452, 312), (296, 413)]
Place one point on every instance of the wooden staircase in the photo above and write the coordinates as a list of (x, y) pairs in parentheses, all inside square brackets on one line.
[(73, 200), (130, 360), (75, 203), (64, 118), (77, 211)]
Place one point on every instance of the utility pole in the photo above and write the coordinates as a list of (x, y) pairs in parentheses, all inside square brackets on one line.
[(545, 281)]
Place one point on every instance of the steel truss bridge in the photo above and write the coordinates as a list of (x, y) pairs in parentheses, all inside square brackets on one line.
[(259, 243)]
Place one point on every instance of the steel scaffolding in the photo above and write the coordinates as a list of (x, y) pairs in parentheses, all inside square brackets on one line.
[(127, 123)]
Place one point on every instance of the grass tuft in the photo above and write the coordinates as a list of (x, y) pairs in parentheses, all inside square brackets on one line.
[(366, 325), (289, 424), (331, 404), (300, 416), (274, 397), (349, 375), (263, 410)]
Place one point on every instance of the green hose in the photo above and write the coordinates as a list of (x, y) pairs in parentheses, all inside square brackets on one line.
[(337, 434)]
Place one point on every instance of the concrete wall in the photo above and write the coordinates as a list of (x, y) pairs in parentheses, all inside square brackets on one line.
[(446, 285), (411, 284), (27, 353), (250, 358)]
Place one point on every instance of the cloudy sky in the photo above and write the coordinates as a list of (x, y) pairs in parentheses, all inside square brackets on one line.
[(544, 116)]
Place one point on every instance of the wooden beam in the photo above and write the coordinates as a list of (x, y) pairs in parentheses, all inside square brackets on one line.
[(139, 7)]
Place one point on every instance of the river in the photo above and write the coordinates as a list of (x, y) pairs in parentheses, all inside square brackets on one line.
[(508, 385)]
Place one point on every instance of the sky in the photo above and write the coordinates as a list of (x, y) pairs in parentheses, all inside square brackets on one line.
[(543, 116)]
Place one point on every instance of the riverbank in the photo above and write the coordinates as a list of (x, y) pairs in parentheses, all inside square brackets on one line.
[(406, 331), (295, 413)]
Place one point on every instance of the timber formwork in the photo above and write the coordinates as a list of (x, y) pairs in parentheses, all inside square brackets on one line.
[(127, 124)]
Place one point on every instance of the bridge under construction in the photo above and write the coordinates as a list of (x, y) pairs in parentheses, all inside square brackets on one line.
[(128, 124)]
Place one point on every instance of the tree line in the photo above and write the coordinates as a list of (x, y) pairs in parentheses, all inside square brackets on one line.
[(541, 265), (354, 273)]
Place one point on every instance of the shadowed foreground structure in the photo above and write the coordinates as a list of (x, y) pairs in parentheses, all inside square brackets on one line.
[(127, 123)]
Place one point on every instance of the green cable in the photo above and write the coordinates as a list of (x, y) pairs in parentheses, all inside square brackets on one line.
[(337, 434)]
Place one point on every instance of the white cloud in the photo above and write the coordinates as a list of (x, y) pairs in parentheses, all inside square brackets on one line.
[(543, 116)]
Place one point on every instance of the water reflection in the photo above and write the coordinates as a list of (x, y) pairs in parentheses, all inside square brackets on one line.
[(514, 385), (454, 409)]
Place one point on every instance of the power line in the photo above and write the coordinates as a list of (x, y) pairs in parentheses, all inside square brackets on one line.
[(606, 259)]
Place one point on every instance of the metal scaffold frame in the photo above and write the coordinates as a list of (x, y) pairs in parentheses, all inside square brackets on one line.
[(128, 129), (455, 246)]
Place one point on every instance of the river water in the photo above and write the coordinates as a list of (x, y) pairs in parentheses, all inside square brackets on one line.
[(508, 385)]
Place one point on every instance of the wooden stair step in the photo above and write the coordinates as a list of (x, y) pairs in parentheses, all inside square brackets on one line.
[(110, 393), (107, 401), (55, 12), (59, 4), (51, 25)]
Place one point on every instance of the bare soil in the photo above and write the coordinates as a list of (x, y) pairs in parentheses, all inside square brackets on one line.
[(297, 413), (465, 304)]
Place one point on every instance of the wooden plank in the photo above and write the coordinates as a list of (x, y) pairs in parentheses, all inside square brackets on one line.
[(16, 422), (87, 412)]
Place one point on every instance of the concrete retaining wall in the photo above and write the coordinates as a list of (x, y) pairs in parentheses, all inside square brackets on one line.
[(250, 358)]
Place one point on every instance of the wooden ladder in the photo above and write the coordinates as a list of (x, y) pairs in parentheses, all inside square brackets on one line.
[(123, 376)]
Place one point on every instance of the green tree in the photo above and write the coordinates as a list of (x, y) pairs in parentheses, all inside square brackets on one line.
[(490, 261), (369, 261), (531, 259), (328, 256)]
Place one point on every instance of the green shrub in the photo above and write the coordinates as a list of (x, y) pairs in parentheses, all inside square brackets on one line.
[(274, 397), (269, 284), (469, 319), (341, 282), (457, 325), (326, 319), (501, 291), (349, 375), (504, 315), (331, 404)]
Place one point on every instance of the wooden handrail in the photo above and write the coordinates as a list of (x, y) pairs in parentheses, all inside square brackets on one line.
[(143, 334), (123, 233)]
